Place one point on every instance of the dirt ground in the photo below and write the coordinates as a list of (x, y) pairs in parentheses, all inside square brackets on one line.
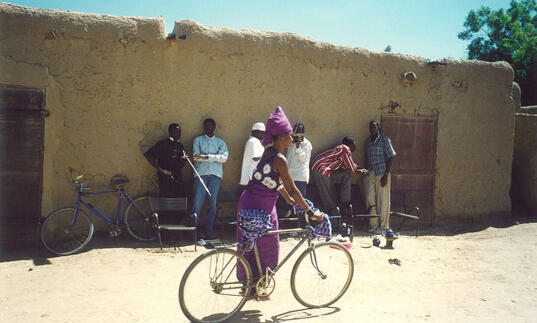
[(482, 272)]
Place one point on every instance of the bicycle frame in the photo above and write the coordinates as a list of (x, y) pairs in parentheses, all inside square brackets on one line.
[(306, 237), (271, 272), (82, 192)]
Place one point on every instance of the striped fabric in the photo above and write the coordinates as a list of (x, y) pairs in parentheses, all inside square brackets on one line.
[(323, 229), (333, 159), (253, 223)]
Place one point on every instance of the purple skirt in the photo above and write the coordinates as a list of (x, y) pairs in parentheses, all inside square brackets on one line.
[(257, 196)]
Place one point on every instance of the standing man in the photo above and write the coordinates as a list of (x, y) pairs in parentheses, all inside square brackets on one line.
[(210, 153), (167, 157), (379, 154), (298, 159), (335, 165), (252, 152)]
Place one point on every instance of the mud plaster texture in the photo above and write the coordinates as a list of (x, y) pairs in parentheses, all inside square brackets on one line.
[(113, 84)]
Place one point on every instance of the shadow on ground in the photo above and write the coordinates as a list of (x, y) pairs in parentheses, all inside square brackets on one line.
[(294, 315), (101, 240), (477, 224)]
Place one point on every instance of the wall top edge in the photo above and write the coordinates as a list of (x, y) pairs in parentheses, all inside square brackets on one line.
[(81, 25)]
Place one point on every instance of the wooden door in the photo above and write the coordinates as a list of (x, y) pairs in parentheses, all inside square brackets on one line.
[(414, 140), (21, 164)]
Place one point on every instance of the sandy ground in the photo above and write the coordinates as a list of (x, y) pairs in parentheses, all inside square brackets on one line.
[(446, 275)]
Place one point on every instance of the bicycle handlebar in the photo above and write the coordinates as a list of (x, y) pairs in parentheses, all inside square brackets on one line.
[(80, 184)]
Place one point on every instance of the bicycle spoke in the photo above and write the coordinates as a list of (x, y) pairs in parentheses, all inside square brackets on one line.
[(138, 219), (318, 281), (212, 277), (62, 234), (79, 240)]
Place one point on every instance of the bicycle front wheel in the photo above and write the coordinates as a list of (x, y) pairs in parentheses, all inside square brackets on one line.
[(63, 233), (138, 219), (322, 274), (212, 278)]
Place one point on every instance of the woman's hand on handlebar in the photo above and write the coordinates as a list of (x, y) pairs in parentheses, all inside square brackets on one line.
[(317, 217)]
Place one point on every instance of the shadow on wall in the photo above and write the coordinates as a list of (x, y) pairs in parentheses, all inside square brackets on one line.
[(524, 172)]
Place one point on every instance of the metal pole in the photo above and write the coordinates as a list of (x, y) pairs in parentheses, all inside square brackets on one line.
[(195, 171)]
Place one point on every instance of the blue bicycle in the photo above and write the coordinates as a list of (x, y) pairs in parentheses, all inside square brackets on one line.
[(69, 229)]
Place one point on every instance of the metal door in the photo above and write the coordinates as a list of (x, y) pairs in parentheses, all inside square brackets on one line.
[(414, 140), (21, 164)]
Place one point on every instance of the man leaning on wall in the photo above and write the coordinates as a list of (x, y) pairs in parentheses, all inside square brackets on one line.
[(298, 159), (210, 153), (379, 154), (167, 156), (253, 150)]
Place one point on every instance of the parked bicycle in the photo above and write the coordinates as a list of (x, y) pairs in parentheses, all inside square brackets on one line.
[(69, 229), (317, 279)]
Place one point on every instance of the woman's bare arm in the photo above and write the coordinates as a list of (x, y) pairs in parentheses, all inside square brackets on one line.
[(280, 166), (286, 196)]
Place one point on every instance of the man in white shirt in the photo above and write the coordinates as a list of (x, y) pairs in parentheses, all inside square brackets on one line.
[(298, 158), (253, 150)]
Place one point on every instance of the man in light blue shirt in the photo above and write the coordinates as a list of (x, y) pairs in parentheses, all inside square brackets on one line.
[(210, 153)]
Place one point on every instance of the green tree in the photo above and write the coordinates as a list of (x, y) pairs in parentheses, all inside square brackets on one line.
[(507, 35), (388, 49)]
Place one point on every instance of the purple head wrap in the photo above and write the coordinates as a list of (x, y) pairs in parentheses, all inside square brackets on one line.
[(277, 124)]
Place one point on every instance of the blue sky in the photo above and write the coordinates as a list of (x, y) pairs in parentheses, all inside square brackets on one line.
[(426, 28)]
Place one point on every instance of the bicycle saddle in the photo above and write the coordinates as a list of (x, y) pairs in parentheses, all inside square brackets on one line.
[(119, 181)]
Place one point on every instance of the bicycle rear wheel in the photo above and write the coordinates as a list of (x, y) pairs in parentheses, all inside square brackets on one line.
[(62, 234), (138, 219), (317, 279), (212, 278)]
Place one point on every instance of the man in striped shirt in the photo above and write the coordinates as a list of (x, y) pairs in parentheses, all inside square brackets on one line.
[(335, 165)]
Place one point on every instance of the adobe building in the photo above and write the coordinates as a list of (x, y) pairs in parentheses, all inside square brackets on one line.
[(87, 94), (524, 176)]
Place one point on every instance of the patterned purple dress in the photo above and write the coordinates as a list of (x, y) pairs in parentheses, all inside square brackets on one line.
[(262, 193)]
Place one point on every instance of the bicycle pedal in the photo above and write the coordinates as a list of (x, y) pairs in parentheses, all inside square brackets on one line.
[(115, 233)]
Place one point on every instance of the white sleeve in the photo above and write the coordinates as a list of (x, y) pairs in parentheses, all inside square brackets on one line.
[(304, 152), (257, 150)]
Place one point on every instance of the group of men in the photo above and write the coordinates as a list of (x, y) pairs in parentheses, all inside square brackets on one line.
[(333, 166), (209, 153)]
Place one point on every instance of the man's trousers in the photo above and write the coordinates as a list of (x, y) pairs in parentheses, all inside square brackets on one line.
[(378, 199), (323, 184)]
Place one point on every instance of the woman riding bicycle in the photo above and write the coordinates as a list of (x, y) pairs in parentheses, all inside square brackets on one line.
[(257, 205)]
